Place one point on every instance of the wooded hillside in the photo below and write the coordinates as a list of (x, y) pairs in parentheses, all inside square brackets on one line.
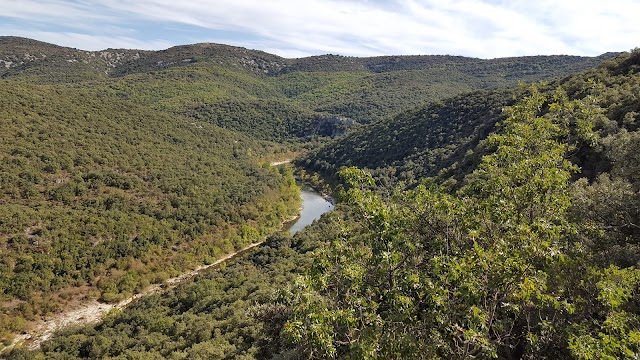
[(497, 224)]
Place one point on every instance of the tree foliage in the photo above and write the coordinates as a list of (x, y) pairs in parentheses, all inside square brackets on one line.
[(488, 271), (102, 197), (115, 174)]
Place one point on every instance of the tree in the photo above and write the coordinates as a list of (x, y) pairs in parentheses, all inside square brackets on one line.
[(483, 272)]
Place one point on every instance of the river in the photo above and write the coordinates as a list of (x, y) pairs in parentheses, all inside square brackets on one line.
[(313, 206)]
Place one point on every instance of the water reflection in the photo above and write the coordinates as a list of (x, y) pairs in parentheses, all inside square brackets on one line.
[(313, 205)]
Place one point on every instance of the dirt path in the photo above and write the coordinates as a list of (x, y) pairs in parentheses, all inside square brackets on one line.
[(276, 163), (92, 311)]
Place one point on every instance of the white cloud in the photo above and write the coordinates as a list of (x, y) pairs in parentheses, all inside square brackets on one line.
[(87, 41), (52, 8), (482, 28)]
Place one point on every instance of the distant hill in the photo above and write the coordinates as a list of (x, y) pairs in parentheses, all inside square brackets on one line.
[(21, 57), (20, 54), (444, 139), (190, 78)]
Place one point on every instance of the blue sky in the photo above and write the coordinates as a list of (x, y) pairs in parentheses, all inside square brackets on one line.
[(294, 28)]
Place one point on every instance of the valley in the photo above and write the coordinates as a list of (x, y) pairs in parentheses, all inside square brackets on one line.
[(473, 217), (91, 312)]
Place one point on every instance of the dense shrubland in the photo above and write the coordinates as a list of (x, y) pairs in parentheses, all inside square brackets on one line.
[(444, 139), (469, 239), (184, 78), (228, 312), (532, 253), (103, 193), (510, 265)]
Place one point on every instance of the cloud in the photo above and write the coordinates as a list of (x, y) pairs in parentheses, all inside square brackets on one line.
[(87, 41), (28, 9), (481, 28)]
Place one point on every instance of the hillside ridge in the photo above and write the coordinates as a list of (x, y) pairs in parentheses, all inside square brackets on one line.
[(18, 53)]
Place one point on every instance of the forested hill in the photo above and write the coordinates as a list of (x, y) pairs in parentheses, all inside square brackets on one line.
[(444, 138), (202, 79), (21, 54), (417, 143), (101, 196), (532, 254)]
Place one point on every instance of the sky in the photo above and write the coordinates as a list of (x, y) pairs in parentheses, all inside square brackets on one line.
[(297, 28)]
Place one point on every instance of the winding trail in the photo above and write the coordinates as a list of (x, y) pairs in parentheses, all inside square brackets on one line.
[(92, 311)]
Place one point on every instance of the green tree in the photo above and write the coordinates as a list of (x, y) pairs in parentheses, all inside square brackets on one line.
[(483, 272)]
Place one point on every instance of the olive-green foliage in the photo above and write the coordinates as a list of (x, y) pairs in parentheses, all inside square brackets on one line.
[(444, 139), (192, 78), (492, 270), (375, 88), (224, 313), (261, 119), (416, 143), (370, 89), (99, 191)]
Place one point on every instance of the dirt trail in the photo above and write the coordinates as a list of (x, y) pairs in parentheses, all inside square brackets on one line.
[(91, 311), (276, 163)]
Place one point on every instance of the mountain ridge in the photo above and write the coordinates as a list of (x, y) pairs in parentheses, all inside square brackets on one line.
[(185, 78), (254, 60)]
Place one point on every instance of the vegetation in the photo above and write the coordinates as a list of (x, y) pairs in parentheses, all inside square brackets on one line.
[(104, 193), (417, 143), (224, 313), (466, 239), (509, 264), (201, 79), (445, 139), (516, 260), (479, 272)]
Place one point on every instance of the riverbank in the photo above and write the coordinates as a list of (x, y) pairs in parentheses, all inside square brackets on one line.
[(91, 311)]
